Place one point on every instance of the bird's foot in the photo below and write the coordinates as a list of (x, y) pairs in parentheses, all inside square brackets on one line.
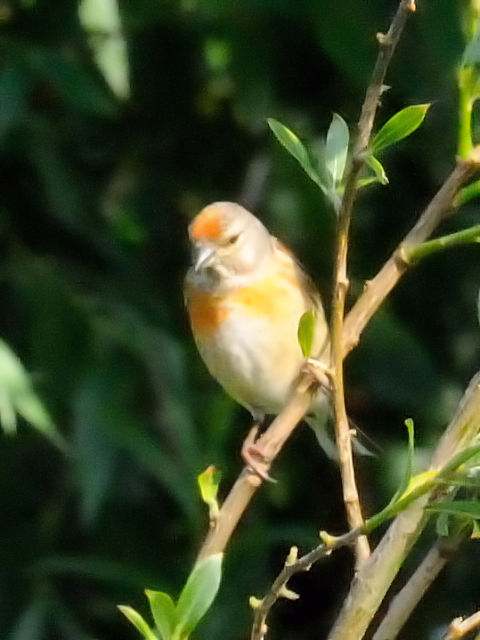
[(319, 371), (254, 457)]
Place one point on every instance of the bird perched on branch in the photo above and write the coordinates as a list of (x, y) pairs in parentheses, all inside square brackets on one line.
[(245, 294)]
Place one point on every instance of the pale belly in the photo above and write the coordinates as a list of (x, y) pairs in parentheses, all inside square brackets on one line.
[(256, 365)]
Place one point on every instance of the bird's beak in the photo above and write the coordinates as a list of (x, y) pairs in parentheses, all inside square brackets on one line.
[(202, 257)]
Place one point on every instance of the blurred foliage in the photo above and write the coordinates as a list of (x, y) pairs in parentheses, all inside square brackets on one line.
[(97, 187)]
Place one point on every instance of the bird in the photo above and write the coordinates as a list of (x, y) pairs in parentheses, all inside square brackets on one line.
[(245, 293)]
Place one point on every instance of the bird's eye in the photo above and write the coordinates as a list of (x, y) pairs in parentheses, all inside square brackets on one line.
[(233, 239)]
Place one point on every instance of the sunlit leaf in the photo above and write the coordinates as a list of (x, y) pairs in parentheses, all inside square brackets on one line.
[(401, 125), (475, 535), (380, 175), (336, 148), (101, 21), (163, 611), (295, 147), (411, 450), (17, 396), (198, 593), (306, 331), (417, 481), (138, 622), (208, 482)]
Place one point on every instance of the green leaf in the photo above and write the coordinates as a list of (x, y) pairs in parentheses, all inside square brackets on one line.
[(365, 182), (208, 482), (401, 125), (407, 476), (17, 396), (163, 611), (336, 148), (138, 622), (295, 147), (411, 451), (475, 530), (459, 508), (379, 171), (198, 594), (102, 22), (469, 192), (305, 333)]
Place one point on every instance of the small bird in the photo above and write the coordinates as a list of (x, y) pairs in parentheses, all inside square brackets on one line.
[(245, 294)]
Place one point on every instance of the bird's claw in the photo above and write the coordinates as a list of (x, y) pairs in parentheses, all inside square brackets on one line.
[(253, 456), (319, 370)]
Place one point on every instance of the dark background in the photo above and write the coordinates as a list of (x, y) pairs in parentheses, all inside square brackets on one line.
[(95, 196)]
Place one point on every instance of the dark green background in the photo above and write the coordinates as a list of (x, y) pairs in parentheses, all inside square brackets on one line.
[(95, 197)]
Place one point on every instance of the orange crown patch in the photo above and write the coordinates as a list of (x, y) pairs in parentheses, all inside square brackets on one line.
[(206, 225)]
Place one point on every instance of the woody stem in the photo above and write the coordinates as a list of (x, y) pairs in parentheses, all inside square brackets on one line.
[(387, 44)]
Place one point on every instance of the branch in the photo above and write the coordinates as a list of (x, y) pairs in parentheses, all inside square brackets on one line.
[(460, 628), (387, 45), (466, 236), (376, 290), (377, 573), (247, 483), (408, 597), (426, 489)]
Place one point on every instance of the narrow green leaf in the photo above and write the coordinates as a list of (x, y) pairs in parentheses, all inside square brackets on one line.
[(336, 148), (410, 456), (469, 192), (401, 125), (305, 333), (378, 169), (198, 594), (163, 611), (365, 182), (138, 622), (208, 482), (295, 147), (17, 396), (110, 49), (475, 530), (459, 508)]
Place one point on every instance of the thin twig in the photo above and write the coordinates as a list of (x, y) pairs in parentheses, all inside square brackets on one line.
[(459, 627), (291, 567), (403, 604), (465, 236), (387, 45)]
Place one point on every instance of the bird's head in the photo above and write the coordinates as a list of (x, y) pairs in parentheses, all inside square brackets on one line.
[(227, 240)]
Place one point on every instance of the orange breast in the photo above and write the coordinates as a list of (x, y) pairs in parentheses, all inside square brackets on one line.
[(207, 311), (267, 298), (275, 298)]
